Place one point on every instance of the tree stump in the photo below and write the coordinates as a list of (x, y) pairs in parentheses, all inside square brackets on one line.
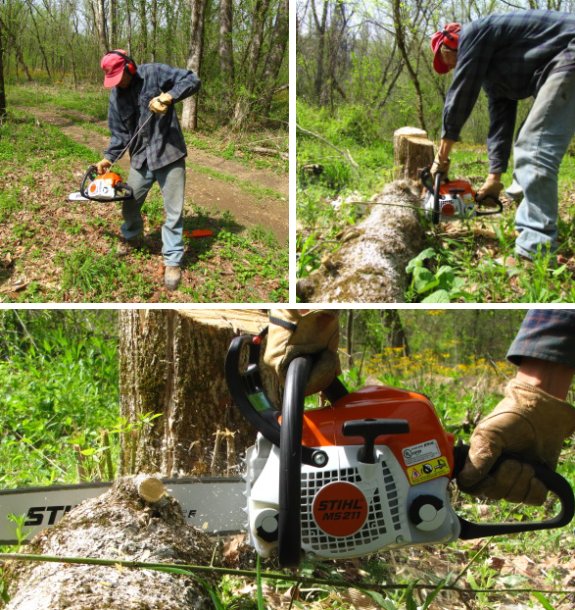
[(173, 393), (412, 151), (119, 524)]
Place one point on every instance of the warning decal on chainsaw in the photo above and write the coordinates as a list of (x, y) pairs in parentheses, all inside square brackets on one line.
[(340, 509), (421, 452), (431, 469)]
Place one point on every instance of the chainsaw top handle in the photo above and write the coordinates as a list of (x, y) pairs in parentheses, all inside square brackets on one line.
[(247, 389), (123, 189), (494, 207), (554, 482)]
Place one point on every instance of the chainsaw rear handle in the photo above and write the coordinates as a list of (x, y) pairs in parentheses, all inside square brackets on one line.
[(91, 174), (492, 210), (554, 482)]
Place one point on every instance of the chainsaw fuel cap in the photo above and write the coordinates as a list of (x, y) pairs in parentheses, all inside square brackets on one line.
[(427, 512)]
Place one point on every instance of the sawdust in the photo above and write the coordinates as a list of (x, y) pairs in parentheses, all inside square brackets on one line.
[(117, 525)]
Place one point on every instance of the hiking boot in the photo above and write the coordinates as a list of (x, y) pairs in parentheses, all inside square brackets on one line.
[(172, 277), (127, 246)]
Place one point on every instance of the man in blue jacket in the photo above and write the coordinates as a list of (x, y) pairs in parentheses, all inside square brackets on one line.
[(514, 56), (157, 151)]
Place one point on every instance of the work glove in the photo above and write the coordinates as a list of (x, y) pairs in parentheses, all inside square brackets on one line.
[(439, 166), (103, 166), (160, 104), (292, 334), (491, 189), (529, 423)]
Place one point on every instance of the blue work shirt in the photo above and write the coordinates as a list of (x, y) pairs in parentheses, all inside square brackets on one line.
[(161, 142), (546, 334), (510, 56)]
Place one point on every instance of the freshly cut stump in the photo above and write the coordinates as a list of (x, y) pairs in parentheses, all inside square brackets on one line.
[(121, 525)]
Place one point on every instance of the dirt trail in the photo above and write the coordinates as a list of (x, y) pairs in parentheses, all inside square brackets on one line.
[(213, 193)]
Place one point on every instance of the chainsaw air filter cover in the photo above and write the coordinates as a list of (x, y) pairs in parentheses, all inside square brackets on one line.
[(383, 483)]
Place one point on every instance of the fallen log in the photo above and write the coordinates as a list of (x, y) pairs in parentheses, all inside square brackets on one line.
[(369, 267), (135, 520)]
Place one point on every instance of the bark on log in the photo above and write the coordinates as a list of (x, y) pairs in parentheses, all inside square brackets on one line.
[(370, 265), (117, 525), (412, 152), (172, 365)]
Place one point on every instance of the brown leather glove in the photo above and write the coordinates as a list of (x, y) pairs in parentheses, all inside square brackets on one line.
[(292, 334), (439, 166), (491, 188), (529, 423), (160, 104), (103, 166)]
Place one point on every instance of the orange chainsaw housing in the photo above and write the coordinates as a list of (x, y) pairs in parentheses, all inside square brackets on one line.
[(323, 427)]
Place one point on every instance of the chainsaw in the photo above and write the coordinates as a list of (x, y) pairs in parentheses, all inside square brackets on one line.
[(370, 471), (102, 188), (454, 199)]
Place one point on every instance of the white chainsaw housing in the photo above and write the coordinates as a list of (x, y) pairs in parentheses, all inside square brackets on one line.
[(451, 207), (389, 512)]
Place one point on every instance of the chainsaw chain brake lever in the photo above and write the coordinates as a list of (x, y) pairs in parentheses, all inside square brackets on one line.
[(249, 395), (554, 482)]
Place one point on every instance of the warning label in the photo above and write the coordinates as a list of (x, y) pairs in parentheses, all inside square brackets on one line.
[(427, 471), (421, 452)]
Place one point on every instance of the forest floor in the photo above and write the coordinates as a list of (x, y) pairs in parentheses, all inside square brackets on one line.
[(55, 250)]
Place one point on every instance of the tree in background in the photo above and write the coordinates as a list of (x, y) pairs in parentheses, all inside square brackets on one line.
[(237, 47)]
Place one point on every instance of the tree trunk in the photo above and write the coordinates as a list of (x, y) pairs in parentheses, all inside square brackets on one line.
[(321, 31), (275, 56), (171, 366), (226, 49), (412, 151), (190, 105), (369, 267), (243, 107), (3, 112), (100, 14), (396, 337), (120, 524)]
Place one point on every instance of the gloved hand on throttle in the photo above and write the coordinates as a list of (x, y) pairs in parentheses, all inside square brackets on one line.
[(528, 423), (292, 334), (491, 188)]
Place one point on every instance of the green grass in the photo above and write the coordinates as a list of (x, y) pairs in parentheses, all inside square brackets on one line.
[(58, 251), (460, 268)]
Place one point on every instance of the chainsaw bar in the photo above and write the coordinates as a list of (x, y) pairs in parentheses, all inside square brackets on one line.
[(214, 504)]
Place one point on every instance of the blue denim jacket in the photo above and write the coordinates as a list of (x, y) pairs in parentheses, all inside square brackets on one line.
[(161, 142), (510, 55)]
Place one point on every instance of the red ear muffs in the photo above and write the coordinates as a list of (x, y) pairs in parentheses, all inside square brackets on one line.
[(130, 63)]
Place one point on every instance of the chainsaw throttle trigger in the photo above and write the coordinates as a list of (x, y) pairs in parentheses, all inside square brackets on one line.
[(370, 430), (554, 482)]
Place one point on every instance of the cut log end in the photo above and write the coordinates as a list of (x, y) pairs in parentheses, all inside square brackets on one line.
[(150, 488)]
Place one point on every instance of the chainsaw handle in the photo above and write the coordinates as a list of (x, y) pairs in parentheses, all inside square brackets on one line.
[(496, 210), (90, 175), (436, 215), (289, 519), (554, 482)]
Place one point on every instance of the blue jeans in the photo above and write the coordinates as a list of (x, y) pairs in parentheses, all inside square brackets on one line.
[(540, 146), (172, 182)]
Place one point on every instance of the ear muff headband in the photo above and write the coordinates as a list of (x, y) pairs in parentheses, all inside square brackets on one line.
[(130, 63)]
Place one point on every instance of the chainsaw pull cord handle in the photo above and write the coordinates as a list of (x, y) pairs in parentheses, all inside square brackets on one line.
[(551, 479), (289, 519)]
